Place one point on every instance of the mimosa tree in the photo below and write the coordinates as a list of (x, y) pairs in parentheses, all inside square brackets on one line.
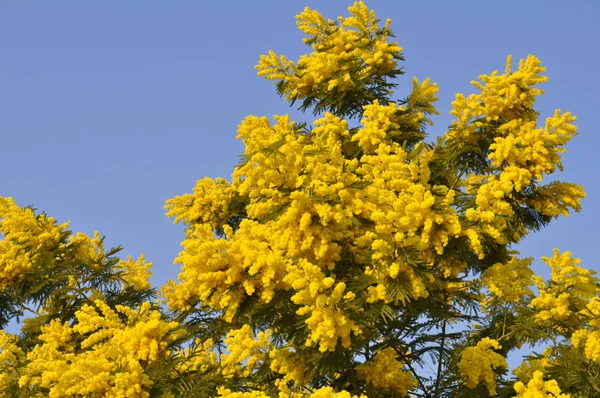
[(347, 256)]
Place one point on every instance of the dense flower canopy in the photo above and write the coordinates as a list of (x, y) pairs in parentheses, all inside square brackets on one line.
[(345, 257)]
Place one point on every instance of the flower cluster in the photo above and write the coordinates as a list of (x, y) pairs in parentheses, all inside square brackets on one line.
[(386, 372), (245, 353), (511, 281), (537, 387), (104, 353), (570, 288), (520, 154), (306, 201), (478, 365), (11, 359), (347, 55), (135, 273), (209, 203), (337, 255), (29, 241), (323, 392), (292, 368), (588, 336)]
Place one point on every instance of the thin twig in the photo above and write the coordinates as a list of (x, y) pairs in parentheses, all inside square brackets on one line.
[(410, 367), (440, 359)]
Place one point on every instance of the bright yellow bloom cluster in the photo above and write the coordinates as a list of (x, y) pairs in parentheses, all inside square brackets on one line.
[(33, 243), (245, 353), (28, 243), (590, 340), (325, 316), (323, 392), (533, 149), (293, 369), (346, 54), (579, 281), (212, 267), (538, 388), (384, 371), (571, 287), (11, 358), (104, 353), (556, 198), (135, 273), (503, 98), (408, 213), (478, 364), (328, 392), (88, 250), (226, 393), (528, 367), (208, 203), (521, 152), (589, 337), (492, 209), (313, 198), (509, 282)]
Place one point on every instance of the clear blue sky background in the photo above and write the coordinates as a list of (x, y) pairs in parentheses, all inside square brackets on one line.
[(108, 108)]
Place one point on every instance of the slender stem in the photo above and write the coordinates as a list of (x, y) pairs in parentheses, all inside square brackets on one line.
[(23, 306), (440, 359), (406, 361), (353, 379), (594, 386), (413, 371), (460, 175)]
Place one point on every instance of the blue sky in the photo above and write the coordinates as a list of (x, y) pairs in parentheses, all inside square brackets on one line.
[(109, 108)]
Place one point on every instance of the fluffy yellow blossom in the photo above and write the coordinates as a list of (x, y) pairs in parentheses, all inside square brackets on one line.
[(28, 241), (538, 388), (328, 392), (521, 152), (589, 335), (11, 358), (566, 272), (209, 203), (347, 55), (312, 189), (528, 367), (557, 198), (319, 298), (244, 352), (571, 287), (115, 346), (225, 393), (293, 369), (379, 122), (535, 150), (592, 312), (502, 97), (590, 340), (478, 364), (552, 306), (511, 281), (323, 392), (384, 371), (136, 273)]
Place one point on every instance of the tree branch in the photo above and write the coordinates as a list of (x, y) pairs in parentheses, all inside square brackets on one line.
[(440, 361), (406, 361)]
